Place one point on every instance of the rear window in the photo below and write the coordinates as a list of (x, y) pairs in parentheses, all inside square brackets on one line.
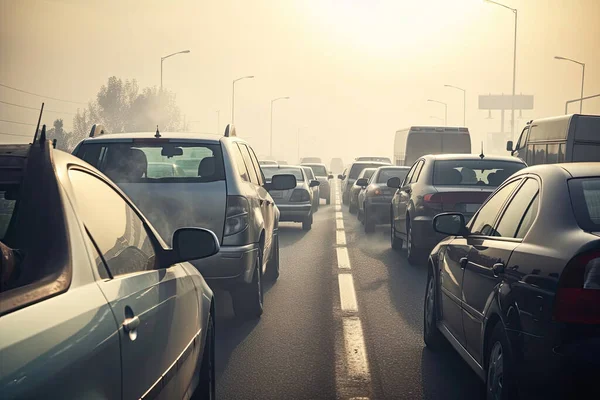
[(488, 173), (319, 170), (585, 199), (386, 174), (357, 169), (268, 172), (156, 161)]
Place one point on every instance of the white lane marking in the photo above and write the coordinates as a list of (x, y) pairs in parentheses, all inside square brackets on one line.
[(339, 224), (342, 257), (356, 353), (347, 293), (339, 215), (340, 238), (338, 208)]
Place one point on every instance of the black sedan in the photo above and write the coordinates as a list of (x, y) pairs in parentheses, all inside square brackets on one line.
[(441, 183), (516, 291)]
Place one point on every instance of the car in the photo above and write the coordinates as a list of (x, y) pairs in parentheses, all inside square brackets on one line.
[(320, 171), (336, 165), (443, 182), (568, 138), (296, 204), (364, 177), (350, 174), (379, 159), (282, 162), (267, 162), (375, 197), (225, 192), (164, 170), (516, 291), (417, 141), (316, 195), (93, 302), (305, 160)]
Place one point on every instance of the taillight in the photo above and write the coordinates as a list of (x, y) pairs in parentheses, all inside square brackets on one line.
[(578, 295), (449, 201), (299, 195), (236, 215), (374, 192), (433, 200)]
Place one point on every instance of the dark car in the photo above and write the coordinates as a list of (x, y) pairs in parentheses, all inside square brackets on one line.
[(375, 196), (441, 183), (350, 174), (516, 291), (364, 177)]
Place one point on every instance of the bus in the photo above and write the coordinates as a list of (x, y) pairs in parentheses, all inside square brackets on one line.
[(412, 143)]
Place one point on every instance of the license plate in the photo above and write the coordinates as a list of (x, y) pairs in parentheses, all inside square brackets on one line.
[(472, 208), (277, 195)]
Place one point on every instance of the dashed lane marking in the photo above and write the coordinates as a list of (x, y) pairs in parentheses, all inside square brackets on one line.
[(347, 293), (339, 215), (343, 259), (339, 224), (356, 353)]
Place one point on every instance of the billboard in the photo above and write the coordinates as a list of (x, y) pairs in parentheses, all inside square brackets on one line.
[(504, 102)]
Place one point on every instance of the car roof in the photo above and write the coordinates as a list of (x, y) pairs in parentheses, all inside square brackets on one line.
[(313, 163), (163, 135), (570, 170), (395, 167), (368, 163), (472, 157)]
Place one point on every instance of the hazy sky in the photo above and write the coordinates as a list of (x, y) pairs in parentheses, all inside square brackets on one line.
[(355, 70)]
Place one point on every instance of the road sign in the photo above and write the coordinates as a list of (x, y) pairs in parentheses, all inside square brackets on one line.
[(504, 102)]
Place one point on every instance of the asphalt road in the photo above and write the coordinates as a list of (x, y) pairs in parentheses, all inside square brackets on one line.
[(301, 347)]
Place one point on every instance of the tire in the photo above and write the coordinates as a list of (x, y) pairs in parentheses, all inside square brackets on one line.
[(432, 336), (207, 387), (248, 298), (328, 200), (394, 241), (413, 254), (500, 381), (360, 216), (369, 223), (307, 223), (352, 208), (273, 265)]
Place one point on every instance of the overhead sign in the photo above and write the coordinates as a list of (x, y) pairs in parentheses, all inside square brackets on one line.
[(504, 102)]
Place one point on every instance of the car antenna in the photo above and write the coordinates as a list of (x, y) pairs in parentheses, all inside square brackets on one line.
[(43, 137), (482, 155), (157, 135), (37, 128)]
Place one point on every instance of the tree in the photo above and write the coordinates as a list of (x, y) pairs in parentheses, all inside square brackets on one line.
[(64, 140)]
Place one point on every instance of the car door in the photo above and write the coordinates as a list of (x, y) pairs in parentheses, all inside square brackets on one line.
[(156, 306), (405, 197), (399, 197), (489, 255)]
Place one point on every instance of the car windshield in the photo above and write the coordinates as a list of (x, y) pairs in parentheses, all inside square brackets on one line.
[(152, 161), (386, 173), (319, 170), (585, 198), (356, 169), (270, 171), (484, 172)]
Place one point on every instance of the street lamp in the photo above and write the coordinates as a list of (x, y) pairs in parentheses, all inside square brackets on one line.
[(299, 128), (512, 112), (445, 109), (464, 102), (271, 135), (161, 64), (582, 77), (233, 94)]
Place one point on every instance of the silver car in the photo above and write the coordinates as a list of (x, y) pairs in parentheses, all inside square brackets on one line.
[(223, 190), (355, 189), (320, 171), (310, 175), (295, 204), (93, 303)]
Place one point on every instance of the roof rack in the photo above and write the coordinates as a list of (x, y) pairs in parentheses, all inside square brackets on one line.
[(97, 130)]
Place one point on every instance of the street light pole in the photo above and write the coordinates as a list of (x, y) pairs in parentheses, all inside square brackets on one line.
[(464, 102), (445, 110), (512, 112), (271, 134), (582, 77), (233, 95), (162, 59)]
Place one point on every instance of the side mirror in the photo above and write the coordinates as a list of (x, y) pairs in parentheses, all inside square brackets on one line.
[(314, 183), (283, 182), (452, 224), (362, 182), (341, 177), (394, 182), (193, 244), (329, 176), (509, 146)]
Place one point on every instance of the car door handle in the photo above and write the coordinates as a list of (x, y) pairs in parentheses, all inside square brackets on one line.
[(498, 269), (463, 262), (131, 324)]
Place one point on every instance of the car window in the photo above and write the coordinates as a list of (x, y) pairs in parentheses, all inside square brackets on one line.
[(410, 174), (385, 174), (270, 171), (117, 231), (483, 223), (248, 162), (319, 170), (417, 174), (261, 178), (515, 211), (309, 173), (529, 217), (522, 138), (485, 172), (239, 161)]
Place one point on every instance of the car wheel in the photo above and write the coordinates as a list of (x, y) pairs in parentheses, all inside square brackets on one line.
[(273, 265), (206, 387), (500, 383), (369, 223), (307, 223), (328, 200), (432, 336), (248, 299), (395, 242), (412, 253)]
